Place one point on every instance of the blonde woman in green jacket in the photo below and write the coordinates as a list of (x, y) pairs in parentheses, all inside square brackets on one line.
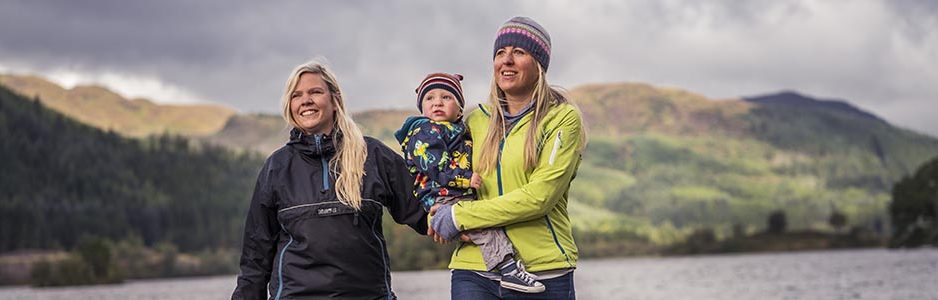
[(532, 139)]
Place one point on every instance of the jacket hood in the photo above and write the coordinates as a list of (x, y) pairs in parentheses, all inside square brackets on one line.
[(316, 145), (410, 123)]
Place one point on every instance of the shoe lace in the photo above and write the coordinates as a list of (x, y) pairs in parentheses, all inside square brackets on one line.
[(522, 274)]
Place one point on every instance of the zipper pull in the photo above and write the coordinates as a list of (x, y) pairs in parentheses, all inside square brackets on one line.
[(355, 221)]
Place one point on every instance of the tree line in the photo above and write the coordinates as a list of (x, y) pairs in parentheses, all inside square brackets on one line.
[(62, 179), (914, 209)]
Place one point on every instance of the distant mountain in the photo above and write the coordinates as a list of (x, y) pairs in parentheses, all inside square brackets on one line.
[(217, 124), (382, 123), (256, 132), (795, 100), (668, 158), (630, 108), (265, 133), (102, 108)]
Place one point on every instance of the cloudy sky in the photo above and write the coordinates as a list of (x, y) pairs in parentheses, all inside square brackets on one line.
[(879, 55)]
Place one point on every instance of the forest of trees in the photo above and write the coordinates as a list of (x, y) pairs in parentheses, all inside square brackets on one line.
[(62, 179), (914, 209)]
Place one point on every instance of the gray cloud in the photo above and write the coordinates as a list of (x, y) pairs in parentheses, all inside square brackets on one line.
[(881, 55)]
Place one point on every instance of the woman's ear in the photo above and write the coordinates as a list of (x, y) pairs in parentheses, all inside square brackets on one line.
[(336, 98)]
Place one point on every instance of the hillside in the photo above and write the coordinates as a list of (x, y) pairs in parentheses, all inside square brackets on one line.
[(382, 123), (216, 124), (630, 108), (63, 179), (793, 99), (265, 133), (107, 110), (255, 132), (664, 158)]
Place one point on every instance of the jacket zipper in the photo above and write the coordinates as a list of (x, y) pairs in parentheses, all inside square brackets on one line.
[(325, 174), (498, 166), (556, 241), (280, 264), (498, 173), (387, 270), (325, 164)]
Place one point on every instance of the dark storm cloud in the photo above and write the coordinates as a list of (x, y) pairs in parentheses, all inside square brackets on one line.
[(113, 34), (240, 54), (881, 55)]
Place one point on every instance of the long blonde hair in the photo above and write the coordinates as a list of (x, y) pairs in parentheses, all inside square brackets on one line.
[(545, 97), (348, 165)]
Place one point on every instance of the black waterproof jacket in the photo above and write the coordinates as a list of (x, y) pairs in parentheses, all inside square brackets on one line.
[(300, 242)]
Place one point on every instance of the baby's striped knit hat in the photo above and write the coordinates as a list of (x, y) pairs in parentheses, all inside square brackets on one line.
[(449, 82), (526, 34)]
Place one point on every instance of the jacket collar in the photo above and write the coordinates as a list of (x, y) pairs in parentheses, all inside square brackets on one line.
[(316, 145), (525, 116)]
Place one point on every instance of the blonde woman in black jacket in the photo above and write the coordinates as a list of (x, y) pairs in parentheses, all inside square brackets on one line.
[(313, 228)]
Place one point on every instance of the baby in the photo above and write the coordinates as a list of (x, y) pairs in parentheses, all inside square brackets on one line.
[(438, 148)]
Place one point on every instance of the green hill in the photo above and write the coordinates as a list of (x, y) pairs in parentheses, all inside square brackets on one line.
[(265, 133), (256, 132), (673, 159)]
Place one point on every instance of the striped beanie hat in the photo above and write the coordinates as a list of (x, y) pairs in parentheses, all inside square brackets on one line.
[(526, 34), (449, 82)]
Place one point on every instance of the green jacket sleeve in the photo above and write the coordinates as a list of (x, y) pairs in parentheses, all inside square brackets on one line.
[(548, 183)]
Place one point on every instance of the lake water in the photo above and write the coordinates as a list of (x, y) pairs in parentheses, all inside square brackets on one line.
[(852, 274)]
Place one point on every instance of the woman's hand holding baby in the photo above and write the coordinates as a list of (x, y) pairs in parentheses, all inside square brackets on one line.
[(476, 181)]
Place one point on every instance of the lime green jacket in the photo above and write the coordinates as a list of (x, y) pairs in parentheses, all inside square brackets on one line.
[(530, 205)]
